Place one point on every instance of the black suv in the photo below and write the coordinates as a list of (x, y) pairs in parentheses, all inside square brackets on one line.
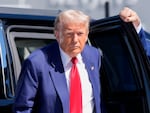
[(125, 71)]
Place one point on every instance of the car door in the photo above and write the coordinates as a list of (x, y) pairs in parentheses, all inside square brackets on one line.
[(125, 73)]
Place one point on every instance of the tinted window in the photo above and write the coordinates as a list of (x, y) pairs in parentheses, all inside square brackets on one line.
[(1, 76), (118, 62), (6, 71), (27, 45), (121, 79)]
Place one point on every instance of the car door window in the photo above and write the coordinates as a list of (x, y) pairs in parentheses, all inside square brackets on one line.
[(25, 46), (119, 64), (1, 75), (6, 72), (122, 68)]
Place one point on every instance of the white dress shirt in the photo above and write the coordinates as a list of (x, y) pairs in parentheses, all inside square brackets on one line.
[(87, 94)]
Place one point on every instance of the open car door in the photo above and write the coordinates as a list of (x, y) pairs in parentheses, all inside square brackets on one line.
[(125, 73)]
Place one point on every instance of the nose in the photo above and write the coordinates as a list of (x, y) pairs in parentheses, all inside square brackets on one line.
[(75, 37)]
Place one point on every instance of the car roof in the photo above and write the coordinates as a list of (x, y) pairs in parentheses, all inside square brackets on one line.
[(26, 13)]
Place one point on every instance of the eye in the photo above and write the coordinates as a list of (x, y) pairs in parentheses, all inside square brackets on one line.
[(80, 33), (69, 34)]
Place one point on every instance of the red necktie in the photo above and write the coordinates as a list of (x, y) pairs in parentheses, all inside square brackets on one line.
[(75, 89)]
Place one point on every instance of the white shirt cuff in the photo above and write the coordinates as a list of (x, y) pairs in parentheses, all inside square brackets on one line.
[(138, 29)]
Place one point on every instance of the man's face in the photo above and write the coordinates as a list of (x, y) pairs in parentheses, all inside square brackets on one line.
[(72, 38)]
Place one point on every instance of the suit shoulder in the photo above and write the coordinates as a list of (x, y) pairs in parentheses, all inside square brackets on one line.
[(93, 49)]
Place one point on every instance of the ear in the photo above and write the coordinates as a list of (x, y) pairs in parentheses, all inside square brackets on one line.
[(56, 33)]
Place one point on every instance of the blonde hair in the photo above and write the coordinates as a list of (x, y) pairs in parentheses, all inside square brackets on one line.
[(71, 16)]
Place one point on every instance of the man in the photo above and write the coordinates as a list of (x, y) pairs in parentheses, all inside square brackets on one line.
[(45, 83)]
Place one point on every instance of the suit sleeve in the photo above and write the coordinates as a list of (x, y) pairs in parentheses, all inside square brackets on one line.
[(145, 39), (26, 89)]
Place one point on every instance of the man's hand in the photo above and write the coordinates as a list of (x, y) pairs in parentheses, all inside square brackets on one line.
[(128, 15)]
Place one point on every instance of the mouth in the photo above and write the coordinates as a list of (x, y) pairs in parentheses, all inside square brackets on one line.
[(74, 47)]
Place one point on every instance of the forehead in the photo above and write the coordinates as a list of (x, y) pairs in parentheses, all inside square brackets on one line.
[(74, 25), (74, 28)]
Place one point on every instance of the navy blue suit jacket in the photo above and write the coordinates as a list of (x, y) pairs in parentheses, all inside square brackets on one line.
[(145, 39), (42, 84)]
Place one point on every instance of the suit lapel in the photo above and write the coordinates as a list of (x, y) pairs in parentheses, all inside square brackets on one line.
[(59, 81), (89, 66), (92, 75), (58, 77)]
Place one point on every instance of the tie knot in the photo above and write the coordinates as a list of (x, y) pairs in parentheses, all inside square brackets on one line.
[(74, 60)]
